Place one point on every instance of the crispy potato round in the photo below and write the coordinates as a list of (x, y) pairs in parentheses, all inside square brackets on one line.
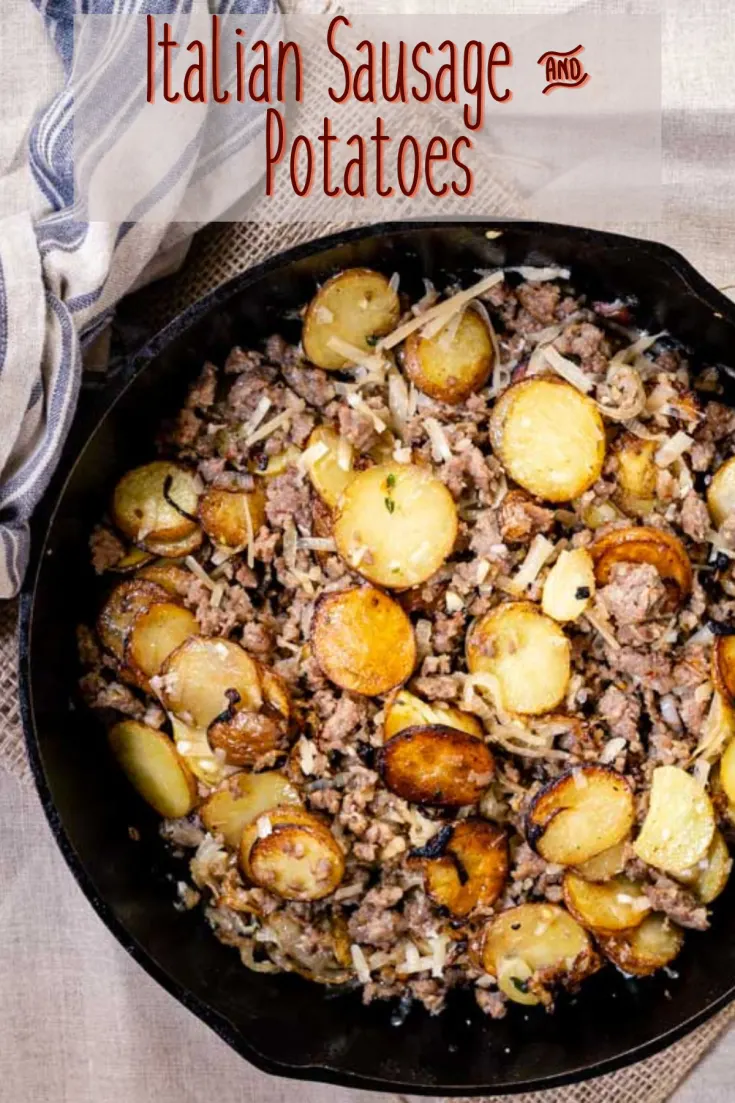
[(579, 814), (636, 473), (436, 765), (246, 797), (472, 870), (721, 492), (363, 641), (615, 905), (131, 561), (224, 515), (723, 666), (608, 863), (454, 363), (293, 854), (197, 676), (679, 824), (332, 472), (124, 604), (710, 875), (356, 306), (646, 948), (533, 939), (152, 765), (549, 437), (643, 544), (405, 710), (174, 579), (155, 633), (396, 524), (246, 736), (156, 502), (174, 549), (569, 586), (526, 652)]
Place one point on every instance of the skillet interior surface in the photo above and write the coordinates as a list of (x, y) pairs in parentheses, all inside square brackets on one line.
[(281, 1023)]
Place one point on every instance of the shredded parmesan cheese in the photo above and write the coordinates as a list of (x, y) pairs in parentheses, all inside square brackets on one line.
[(603, 629), (538, 554), (539, 275), (217, 594), (360, 963), (354, 355), (612, 749), (428, 298), (440, 449), (566, 368), (398, 400), (313, 453), (673, 448), (344, 454), (631, 352), (432, 320), (256, 417), (317, 543), (198, 570), (306, 756), (264, 431), (362, 407), (453, 602), (264, 827)]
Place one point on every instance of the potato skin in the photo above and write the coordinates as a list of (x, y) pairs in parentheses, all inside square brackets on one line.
[(126, 602), (643, 544), (636, 474), (151, 763), (246, 736), (549, 437), (723, 667), (451, 372), (142, 511), (721, 492), (599, 804), (434, 764), (299, 859), (472, 871), (644, 949), (362, 640), (223, 515), (337, 310)]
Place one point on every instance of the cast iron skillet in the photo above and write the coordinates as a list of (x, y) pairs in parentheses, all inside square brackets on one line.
[(283, 1024)]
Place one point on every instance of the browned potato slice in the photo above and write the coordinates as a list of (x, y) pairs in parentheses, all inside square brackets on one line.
[(246, 736), (534, 946), (396, 524), (132, 559), (579, 814), (293, 854), (152, 765), (246, 797), (405, 710), (155, 633), (709, 877), (648, 947), (472, 870), (174, 549), (727, 771), (641, 544), (363, 640), (450, 366), (615, 905), (436, 765), (332, 471), (526, 653), (569, 586), (637, 473), (224, 515), (723, 666), (721, 492), (157, 501), (176, 580), (549, 437), (355, 306), (124, 604), (605, 865), (679, 824), (197, 676)]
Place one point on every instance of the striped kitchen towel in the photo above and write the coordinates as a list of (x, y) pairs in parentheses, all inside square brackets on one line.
[(61, 274)]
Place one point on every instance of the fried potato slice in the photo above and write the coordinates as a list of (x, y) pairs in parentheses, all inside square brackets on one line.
[(527, 654), (723, 667), (224, 515), (174, 549), (710, 875), (131, 561), (332, 471), (643, 544), (195, 749), (727, 771), (245, 736), (174, 579), (153, 767), (436, 765), (579, 814), (155, 633), (396, 524), (356, 306), (549, 437), (293, 854), (405, 710), (362, 640), (721, 492), (569, 586), (124, 604), (454, 363), (608, 863), (646, 948), (472, 870), (534, 946), (679, 824), (196, 678), (157, 501), (636, 473), (244, 798), (614, 905)]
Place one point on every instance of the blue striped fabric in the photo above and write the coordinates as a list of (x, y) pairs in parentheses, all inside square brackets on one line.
[(60, 273)]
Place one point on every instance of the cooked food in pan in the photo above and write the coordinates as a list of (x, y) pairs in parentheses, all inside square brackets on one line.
[(419, 634)]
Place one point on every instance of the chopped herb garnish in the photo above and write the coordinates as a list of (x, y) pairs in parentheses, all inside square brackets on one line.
[(390, 505), (390, 481), (371, 341), (521, 985), (582, 592)]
